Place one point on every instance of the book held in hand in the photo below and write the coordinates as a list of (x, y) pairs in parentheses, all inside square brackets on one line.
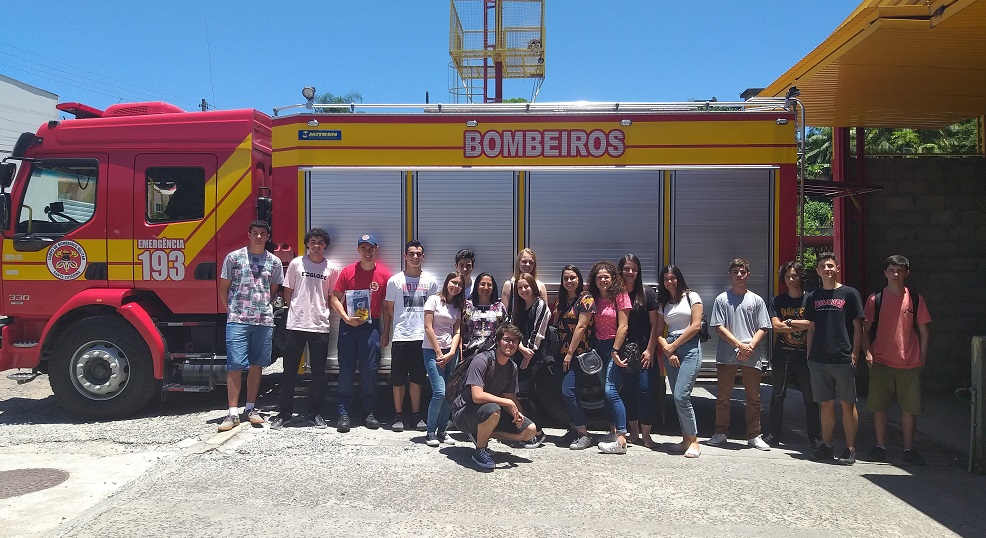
[(358, 304)]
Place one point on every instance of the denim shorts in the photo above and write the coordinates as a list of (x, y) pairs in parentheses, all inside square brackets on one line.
[(247, 345), (832, 382)]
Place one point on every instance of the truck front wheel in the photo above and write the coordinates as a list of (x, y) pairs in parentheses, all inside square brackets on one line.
[(100, 368)]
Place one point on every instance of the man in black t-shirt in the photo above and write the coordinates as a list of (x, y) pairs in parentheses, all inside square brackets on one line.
[(487, 407), (835, 335), (789, 362)]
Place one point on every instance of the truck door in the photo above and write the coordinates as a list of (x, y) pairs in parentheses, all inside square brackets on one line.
[(59, 244), (174, 230)]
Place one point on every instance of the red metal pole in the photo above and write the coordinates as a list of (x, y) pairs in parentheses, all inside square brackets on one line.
[(859, 213), (840, 162)]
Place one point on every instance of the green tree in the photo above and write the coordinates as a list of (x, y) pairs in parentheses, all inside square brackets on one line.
[(515, 100), (818, 151), (330, 99)]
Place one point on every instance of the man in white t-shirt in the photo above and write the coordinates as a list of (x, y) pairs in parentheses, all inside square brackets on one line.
[(308, 285), (403, 316)]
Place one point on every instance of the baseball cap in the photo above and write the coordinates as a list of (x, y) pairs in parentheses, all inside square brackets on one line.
[(367, 238)]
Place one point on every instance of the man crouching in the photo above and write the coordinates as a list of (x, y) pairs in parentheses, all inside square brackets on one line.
[(487, 406)]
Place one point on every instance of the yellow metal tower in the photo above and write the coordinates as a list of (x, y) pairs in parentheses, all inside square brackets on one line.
[(492, 40)]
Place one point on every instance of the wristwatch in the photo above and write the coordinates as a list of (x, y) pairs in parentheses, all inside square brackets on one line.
[(787, 322)]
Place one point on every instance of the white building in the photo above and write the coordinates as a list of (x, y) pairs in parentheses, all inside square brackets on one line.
[(22, 109)]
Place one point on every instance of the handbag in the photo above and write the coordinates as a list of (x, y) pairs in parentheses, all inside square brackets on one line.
[(590, 363), (630, 352), (703, 330)]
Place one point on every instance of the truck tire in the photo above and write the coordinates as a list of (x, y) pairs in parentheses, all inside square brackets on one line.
[(100, 368)]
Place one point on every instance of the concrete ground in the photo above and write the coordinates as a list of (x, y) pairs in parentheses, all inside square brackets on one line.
[(167, 472)]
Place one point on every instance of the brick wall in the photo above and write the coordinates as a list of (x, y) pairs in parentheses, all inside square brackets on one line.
[(933, 211)]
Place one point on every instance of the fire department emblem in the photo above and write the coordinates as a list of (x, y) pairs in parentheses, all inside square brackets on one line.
[(66, 260)]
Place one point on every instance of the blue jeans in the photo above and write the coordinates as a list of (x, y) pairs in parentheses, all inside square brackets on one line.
[(638, 395), (614, 380), (438, 409), (358, 345), (576, 414), (682, 380)]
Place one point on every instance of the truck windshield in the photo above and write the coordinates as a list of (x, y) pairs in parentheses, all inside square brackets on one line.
[(60, 196)]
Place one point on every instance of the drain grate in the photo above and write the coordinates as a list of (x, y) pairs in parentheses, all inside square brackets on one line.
[(23, 481)]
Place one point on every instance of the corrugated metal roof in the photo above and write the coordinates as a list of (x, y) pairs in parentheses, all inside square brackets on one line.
[(896, 63)]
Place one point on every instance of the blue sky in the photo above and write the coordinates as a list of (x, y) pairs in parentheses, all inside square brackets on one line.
[(260, 54)]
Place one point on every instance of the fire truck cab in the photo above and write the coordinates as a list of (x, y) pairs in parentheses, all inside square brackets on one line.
[(113, 229)]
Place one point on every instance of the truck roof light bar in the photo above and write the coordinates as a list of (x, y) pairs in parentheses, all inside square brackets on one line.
[(758, 104)]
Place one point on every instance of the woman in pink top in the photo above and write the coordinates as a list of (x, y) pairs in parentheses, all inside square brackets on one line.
[(610, 319)]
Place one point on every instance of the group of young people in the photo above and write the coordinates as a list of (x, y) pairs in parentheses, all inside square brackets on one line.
[(504, 336)]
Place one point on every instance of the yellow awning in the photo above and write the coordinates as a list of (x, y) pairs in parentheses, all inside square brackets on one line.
[(896, 63)]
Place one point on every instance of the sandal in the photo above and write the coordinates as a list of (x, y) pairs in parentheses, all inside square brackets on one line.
[(692, 453)]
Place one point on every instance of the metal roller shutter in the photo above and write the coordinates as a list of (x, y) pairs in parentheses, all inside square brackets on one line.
[(583, 216), (721, 214), (348, 204), (472, 209)]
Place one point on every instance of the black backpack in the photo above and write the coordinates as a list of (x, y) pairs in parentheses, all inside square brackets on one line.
[(457, 381), (878, 302)]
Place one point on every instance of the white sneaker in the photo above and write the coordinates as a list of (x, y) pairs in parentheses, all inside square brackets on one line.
[(612, 447), (717, 439), (758, 443)]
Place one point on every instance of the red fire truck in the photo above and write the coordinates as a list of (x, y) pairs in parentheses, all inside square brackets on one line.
[(115, 223)]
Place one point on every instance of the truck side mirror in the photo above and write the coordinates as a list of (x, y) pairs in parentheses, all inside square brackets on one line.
[(7, 171)]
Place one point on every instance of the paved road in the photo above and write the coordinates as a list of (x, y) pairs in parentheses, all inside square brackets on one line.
[(168, 473)]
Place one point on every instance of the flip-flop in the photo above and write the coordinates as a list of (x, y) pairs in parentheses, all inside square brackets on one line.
[(692, 453)]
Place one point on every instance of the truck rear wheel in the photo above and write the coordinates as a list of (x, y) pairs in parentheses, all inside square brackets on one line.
[(100, 368)]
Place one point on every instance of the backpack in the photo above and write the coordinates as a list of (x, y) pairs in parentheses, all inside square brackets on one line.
[(457, 381), (878, 302)]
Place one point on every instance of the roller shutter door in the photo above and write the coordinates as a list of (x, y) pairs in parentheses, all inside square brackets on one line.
[(472, 209), (348, 204), (583, 216), (721, 214)]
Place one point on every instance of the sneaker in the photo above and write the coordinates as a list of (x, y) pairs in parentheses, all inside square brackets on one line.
[(911, 456), (612, 447), (717, 440), (420, 425), (343, 423), (823, 453), (398, 425), (371, 422), (446, 439), (254, 417), (535, 441), (228, 423), (432, 440), (483, 458), (318, 422), (848, 456), (279, 421), (758, 443), (583, 442), (771, 439), (877, 454)]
